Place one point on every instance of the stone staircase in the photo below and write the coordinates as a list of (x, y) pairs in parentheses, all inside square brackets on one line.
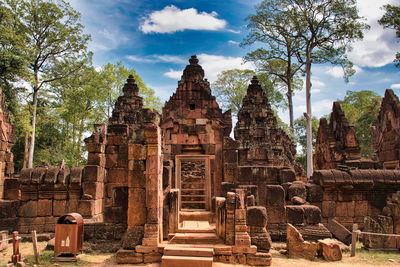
[(193, 243), (177, 256)]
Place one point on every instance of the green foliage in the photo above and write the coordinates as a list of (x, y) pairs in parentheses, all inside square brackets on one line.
[(231, 87), (391, 19), (361, 110), (43, 47), (301, 138), (270, 27), (300, 132), (115, 76)]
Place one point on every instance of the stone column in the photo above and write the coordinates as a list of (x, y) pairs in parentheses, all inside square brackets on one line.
[(230, 218), (153, 226), (174, 210), (242, 238)]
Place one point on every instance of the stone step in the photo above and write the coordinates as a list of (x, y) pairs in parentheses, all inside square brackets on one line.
[(196, 227), (193, 195), (193, 201), (180, 261), (195, 215), (196, 230), (193, 189), (188, 251), (195, 238)]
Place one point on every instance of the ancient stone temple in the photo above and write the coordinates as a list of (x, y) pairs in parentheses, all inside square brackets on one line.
[(177, 189), (385, 133), (336, 142)]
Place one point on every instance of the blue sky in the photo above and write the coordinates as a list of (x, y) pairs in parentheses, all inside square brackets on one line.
[(156, 38)]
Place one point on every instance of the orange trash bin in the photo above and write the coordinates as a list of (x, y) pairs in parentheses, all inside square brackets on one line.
[(68, 237)]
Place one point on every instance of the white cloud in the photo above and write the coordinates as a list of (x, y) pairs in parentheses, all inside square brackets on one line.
[(379, 45), (214, 64), (335, 71), (172, 19), (170, 59), (315, 91), (173, 74), (317, 83), (233, 31), (100, 23), (233, 42), (357, 69), (158, 58), (395, 86), (140, 59)]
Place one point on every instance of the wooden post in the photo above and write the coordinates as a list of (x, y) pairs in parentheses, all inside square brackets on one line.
[(16, 257), (354, 240), (35, 246)]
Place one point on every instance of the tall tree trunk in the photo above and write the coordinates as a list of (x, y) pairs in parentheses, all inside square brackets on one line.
[(26, 149), (290, 103), (308, 116), (32, 143)]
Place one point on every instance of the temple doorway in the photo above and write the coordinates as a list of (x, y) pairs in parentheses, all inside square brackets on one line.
[(193, 180)]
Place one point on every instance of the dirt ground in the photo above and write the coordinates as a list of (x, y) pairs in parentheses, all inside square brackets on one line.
[(96, 259)]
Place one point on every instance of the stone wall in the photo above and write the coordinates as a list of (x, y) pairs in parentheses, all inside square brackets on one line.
[(45, 195), (386, 132), (349, 196), (7, 140)]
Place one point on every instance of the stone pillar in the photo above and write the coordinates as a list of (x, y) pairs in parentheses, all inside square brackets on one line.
[(220, 208), (92, 200), (173, 210), (153, 226), (242, 238), (230, 218)]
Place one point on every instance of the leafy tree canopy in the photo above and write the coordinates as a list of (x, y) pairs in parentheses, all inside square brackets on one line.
[(391, 20), (361, 110), (231, 87)]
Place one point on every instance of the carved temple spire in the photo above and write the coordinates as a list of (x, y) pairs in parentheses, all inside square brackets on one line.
[(193, 71)]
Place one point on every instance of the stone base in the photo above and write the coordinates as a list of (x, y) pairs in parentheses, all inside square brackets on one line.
[(259, 259), (179, 261), (126, 256)]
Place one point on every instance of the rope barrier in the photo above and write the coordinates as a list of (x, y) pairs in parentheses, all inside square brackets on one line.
[(8, 239), (378, 234), (356, 233)]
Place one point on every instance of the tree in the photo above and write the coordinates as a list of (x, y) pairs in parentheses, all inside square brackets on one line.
[(269, 26), (391, 20), (53, 35), (326, 29), (13, 56), (231, 87), (300, 125), (361, 110)]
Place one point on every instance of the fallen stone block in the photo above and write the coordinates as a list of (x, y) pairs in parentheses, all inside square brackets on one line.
[(330, 251), (297, 247), (339, 231)]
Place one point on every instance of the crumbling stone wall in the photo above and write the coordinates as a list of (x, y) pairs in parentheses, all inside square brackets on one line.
[(7, 140), (337, 144), (349, 196), (386, 131), (388, 222)]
